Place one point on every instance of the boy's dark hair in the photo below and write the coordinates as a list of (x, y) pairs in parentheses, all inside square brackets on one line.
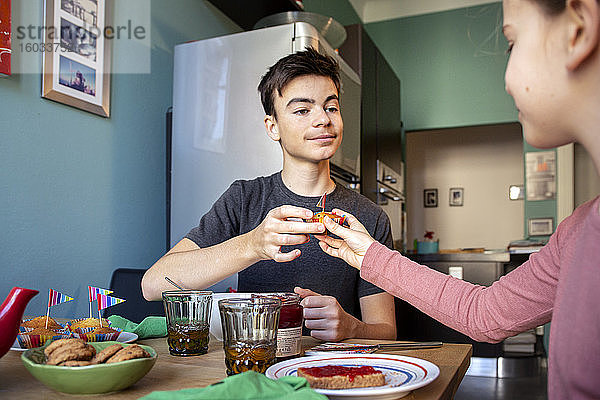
[(301, 63)]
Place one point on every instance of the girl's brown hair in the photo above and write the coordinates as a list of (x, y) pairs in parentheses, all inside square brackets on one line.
[(551, 7)]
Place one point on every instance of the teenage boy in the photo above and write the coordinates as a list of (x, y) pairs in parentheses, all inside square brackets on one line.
[(254, 230)]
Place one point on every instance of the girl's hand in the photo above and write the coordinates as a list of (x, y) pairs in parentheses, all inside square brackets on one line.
[(354, 241)]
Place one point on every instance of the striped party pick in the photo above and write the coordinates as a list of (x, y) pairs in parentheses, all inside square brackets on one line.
[(105, 301), (321, 202), (55, 298), (93, 292)]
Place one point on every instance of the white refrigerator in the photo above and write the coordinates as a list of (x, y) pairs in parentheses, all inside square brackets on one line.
[(218, 134)]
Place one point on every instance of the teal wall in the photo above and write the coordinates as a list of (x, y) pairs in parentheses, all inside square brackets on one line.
[(451, 65), (83, 195), (341, 10)]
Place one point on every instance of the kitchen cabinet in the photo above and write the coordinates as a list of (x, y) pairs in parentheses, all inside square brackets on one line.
[(381, 124), (389, 124)]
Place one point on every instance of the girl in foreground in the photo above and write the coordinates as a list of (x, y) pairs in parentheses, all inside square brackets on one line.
[(553, 74)]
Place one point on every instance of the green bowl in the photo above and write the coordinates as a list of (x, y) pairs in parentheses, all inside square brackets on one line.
[(91, 379)]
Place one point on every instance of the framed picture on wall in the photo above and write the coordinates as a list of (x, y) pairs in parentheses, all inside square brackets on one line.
[(76, 60), (456, 197), (430, 198)]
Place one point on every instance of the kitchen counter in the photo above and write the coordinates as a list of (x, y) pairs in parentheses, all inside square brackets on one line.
[(478, 266), (495, 256)]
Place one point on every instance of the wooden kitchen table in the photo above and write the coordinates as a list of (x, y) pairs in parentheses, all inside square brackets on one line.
[(173, 373)]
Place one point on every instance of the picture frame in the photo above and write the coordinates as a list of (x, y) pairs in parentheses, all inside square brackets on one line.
[(430, 198), (77, 57), (540, 226), (456, 197)]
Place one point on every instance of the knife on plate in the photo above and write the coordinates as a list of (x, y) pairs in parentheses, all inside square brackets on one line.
[(375, 347)]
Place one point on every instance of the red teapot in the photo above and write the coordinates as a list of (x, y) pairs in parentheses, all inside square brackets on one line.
[(11, 313)]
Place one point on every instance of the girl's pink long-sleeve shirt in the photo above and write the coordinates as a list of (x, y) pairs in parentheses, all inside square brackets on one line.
[(560, 283)]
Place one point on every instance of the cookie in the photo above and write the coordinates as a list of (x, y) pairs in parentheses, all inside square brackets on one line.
[(67, 347), (69, 355), (58, 344), (75, 363), (128, 353), (106, 353), (71, 351)]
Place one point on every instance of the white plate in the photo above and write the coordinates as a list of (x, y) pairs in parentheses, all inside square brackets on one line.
[(124, 337), (402, 374)]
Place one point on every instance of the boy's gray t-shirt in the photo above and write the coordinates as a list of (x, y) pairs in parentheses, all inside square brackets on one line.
[(245, 204)]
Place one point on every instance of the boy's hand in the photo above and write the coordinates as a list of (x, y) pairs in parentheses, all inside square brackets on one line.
[(324, 316), (275, 231)]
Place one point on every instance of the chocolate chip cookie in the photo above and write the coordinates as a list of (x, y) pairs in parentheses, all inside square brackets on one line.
[(75, 363), (107, 353), (128, 353), (60, 343), (73, 349)]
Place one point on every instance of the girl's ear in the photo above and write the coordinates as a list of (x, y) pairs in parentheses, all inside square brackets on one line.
[(272, 128), (583, 31)]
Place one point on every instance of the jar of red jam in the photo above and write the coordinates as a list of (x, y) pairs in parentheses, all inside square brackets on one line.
[(289, 330)]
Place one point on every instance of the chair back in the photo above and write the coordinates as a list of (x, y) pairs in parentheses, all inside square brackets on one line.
[(127, 284)]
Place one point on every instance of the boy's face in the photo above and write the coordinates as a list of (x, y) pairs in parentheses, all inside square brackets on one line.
[(309, 123)]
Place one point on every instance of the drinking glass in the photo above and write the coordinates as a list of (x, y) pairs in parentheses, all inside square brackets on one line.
[(291, 319), (188, 320), (249, 333)]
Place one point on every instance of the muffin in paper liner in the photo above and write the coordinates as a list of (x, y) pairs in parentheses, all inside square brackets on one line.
[(87, 335), (318, 217), (86, 332), (28, 329), (30, 341), (93, 321)]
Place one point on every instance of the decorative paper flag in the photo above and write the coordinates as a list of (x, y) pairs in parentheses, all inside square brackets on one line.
[(105, 301), (94, 291), (321, 202), (55, 298)]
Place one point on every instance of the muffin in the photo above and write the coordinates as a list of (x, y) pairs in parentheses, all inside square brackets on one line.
[(90, 330), (41, 331), (29, 338), (40, 322), (86, 323), (103, 330)]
